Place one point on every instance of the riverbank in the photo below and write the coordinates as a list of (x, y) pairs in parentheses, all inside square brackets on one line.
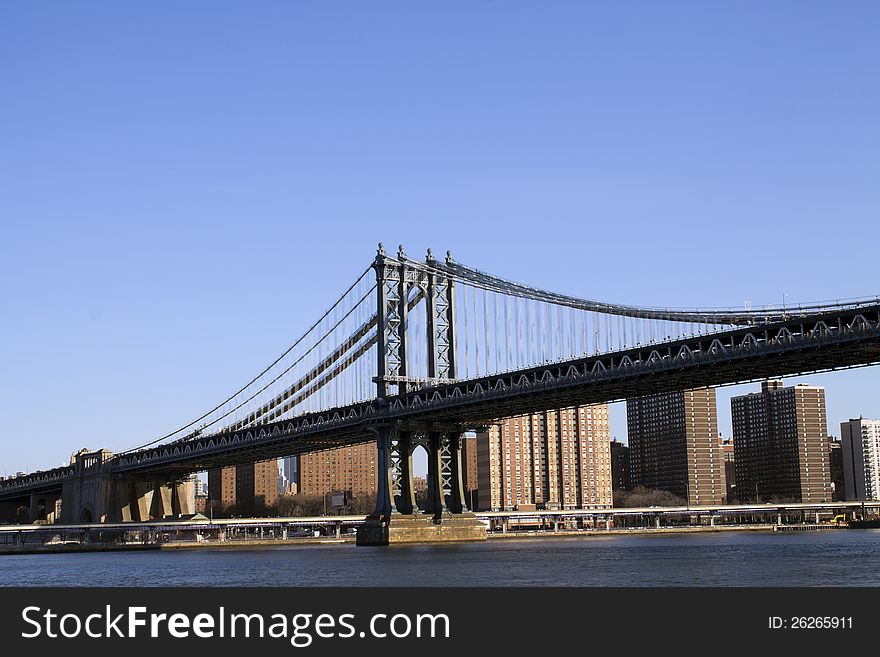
[(635, 531), (239, 544)]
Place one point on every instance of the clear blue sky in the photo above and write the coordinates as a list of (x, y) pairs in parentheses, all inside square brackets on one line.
[(185, 186)]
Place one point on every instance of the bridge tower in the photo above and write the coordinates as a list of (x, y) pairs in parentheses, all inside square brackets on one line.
[(401, 287)]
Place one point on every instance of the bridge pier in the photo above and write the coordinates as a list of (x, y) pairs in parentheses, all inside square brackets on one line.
[(141, 500), (16, 511), (111, 498), (183, 501), (45, 507), (396, 518)]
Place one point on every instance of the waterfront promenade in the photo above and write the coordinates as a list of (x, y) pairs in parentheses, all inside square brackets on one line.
[(200, 532)]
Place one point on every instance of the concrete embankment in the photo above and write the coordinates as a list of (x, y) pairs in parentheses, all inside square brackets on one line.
[(640, 531), (239, 544)]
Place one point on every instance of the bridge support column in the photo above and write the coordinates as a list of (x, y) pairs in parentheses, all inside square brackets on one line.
[(123, 501), (405, 499), (143, 499), (385, 473), (434, 504), (45, 507), (9, 511), (183, 498), (455, 497), (657, 521), (374, 531), (162, 497)]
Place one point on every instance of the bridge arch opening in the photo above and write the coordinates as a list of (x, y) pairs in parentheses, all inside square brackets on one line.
[(86, 516), (420, 473)]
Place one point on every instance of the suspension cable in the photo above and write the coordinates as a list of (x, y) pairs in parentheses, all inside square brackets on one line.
[(258, 376)]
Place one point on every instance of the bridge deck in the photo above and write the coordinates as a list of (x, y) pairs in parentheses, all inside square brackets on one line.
[(824, 341)]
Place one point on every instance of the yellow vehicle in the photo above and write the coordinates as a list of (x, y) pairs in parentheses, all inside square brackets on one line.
[(839, 520)]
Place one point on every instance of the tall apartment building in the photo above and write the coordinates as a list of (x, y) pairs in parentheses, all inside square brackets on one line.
[(244, 485), (780, 440), (221, 486), (860, 440), (288, 478), (257, 483), (835, 465), (554, 460), (619, 466), (727, 455), (351, 468), (470, 475), (673, 445)]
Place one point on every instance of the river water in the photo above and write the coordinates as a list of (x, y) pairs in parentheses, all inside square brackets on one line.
[(821, 558)]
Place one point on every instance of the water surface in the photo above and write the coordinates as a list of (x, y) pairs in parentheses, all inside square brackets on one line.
[(822, 558)]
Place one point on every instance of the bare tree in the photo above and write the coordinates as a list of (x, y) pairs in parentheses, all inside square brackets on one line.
[(641, 496)]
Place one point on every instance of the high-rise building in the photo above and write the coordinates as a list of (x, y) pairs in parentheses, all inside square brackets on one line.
[(729, 468), (248, 486), (554, 460), (835, 464), (470, 475), (619, 466), (200, 488), (351, 468), (673, 445), (257, 483), (221, 486), (288, 473), (860, 440), (780, 439)]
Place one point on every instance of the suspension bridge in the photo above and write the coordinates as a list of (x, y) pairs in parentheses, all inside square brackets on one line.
[(416, 352)]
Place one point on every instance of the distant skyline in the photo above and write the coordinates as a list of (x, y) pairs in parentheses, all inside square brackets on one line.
[(186, 187)]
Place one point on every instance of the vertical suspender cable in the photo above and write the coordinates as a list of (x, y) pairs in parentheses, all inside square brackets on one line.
[(464, 297), (486, 331), (476, 332)]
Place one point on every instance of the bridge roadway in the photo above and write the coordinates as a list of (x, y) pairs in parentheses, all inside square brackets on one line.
[(801, 344)]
